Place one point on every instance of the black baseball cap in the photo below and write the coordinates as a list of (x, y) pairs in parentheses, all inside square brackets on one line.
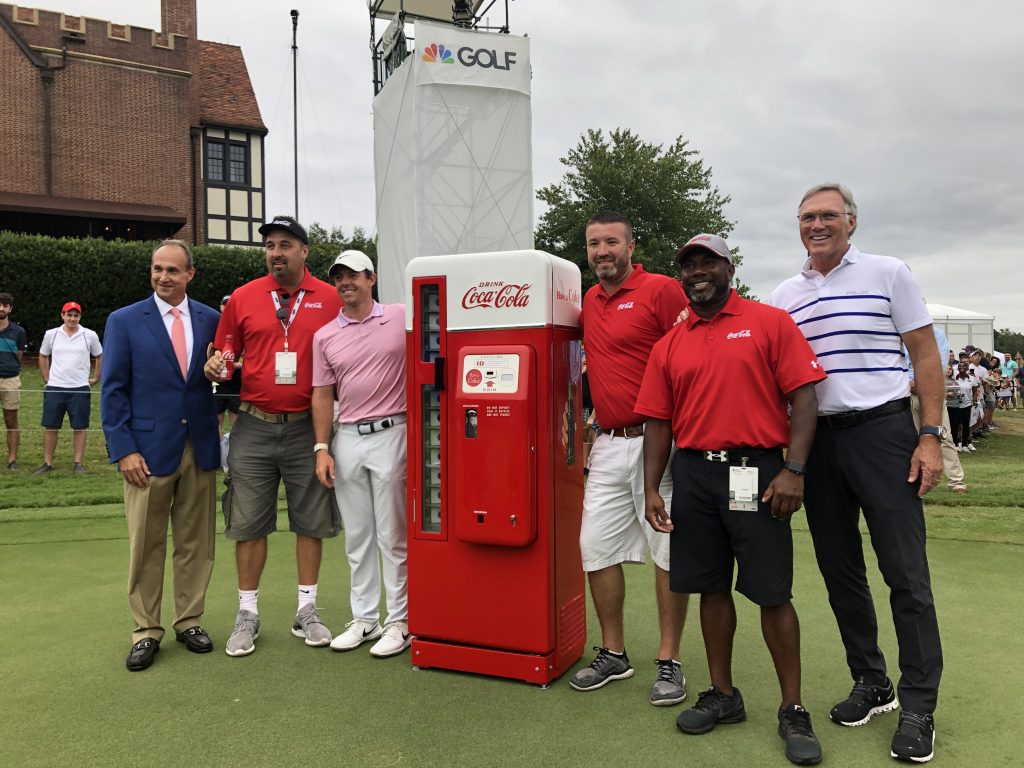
[(289, 225)]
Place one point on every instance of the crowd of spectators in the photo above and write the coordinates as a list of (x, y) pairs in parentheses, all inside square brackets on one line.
[(977, 384)]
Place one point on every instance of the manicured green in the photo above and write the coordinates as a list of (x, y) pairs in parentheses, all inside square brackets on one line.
[(67, 699)]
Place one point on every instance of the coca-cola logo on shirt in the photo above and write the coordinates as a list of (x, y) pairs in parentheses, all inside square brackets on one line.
[(497, 294)]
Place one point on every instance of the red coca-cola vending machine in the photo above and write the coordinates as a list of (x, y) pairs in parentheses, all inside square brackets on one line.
[(495, 484)]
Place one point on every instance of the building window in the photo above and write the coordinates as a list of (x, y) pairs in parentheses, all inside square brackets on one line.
[(226, 162), (214, 161), (236, 166)]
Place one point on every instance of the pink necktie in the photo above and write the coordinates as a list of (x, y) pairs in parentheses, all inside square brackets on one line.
[(178, 341)]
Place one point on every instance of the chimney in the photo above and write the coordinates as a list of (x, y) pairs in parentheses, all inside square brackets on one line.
[(179, 17)]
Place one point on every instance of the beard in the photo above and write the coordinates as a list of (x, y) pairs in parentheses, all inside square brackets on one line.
[(709, 295)]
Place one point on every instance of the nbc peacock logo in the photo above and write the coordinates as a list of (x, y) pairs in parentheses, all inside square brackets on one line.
[(435, 53)]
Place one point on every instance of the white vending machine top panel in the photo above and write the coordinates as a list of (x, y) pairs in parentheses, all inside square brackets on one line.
[(505, 289)]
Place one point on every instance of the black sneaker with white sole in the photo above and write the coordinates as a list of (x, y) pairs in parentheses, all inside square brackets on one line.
[(914, 739), (864, 702), (605, 667)]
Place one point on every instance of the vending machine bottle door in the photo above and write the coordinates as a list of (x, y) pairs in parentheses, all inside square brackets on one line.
[(492, 439)]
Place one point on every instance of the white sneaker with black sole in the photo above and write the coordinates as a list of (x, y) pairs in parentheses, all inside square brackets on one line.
[(396, 638), (356, 633)]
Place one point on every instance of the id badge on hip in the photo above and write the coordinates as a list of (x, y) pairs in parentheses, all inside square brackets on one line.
[(285, 368), (743, 489)]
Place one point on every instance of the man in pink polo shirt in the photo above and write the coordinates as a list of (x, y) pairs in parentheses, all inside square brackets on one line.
[(360, 358)]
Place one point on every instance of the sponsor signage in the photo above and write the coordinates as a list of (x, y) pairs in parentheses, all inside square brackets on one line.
[(469, 57)]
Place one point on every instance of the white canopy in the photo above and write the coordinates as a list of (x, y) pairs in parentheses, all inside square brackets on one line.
[(963, 327)]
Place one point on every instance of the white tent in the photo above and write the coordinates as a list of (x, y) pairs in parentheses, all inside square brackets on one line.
[(963, 327), (452, 151)]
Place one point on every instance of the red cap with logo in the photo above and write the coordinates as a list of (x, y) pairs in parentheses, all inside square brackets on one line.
[(71, 305)]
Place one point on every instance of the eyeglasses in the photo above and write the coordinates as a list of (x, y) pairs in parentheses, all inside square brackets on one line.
[(827, 217)]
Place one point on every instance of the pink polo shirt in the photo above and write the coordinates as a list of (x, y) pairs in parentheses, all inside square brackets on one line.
[(365, 362)]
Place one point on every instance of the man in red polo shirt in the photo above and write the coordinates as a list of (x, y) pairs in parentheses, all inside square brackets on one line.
[(733, 491), (271, 321), (623, 316)]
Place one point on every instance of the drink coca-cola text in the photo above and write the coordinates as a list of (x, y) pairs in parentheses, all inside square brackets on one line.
[(496, 294)]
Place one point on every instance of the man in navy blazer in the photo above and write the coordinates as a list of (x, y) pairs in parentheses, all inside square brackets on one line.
[(160, 421)]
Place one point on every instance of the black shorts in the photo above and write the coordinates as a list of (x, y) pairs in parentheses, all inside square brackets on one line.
[(228, 394), (707, 537)]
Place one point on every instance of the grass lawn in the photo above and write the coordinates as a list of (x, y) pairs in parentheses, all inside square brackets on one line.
[(68, 701)]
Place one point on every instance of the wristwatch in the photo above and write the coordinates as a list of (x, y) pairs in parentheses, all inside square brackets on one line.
[(796, 467), (939, 432), (317, 447)]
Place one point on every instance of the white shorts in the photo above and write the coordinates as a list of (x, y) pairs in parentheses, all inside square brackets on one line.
[(614, 528)]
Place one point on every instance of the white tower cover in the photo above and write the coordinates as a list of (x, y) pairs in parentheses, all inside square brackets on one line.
[(452, 151)]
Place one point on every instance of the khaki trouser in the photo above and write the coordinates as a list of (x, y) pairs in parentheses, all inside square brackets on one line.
[(950, 458), (188, 498)]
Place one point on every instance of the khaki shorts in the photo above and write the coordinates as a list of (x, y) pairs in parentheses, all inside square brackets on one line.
[(10, 393)]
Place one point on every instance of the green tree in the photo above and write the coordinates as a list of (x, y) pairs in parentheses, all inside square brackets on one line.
[(666, 193), (1009, 341), (325, 245)]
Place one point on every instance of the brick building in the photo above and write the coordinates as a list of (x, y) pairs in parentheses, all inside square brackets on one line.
[(110, 130)]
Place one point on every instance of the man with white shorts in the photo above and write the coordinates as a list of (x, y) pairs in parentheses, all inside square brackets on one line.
[(623, 316)]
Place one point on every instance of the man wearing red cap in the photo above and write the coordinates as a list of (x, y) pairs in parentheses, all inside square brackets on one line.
[(64, 363)]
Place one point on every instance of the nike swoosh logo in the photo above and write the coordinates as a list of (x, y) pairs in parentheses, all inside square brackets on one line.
[(367, 632)]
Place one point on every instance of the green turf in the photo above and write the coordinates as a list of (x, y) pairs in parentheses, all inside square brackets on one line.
[(67, 700)]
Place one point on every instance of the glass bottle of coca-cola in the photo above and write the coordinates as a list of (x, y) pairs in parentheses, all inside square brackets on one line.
[(227, 354)]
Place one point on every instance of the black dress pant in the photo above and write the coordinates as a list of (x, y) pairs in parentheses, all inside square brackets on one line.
[(864, 468)]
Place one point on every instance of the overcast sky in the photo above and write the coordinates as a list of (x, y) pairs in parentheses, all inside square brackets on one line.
[(916, 105)]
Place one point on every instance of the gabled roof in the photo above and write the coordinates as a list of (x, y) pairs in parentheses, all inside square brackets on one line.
[(225, 91)]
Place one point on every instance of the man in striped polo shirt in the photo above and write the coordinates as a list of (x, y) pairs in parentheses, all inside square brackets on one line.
[(854, 309)]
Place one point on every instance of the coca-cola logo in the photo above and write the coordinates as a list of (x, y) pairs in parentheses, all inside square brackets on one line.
[(571, 295), (496, 294)]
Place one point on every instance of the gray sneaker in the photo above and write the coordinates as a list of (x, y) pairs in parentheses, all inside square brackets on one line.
[(670, 685), (78, 468), (308, 625), (243, 638), (605, 667)]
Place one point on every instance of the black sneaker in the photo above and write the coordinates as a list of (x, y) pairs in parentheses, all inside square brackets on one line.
[(802, 745), (13, 465), (43, 469), (864, 702), (712, 707), (914, 739), (605, 667)]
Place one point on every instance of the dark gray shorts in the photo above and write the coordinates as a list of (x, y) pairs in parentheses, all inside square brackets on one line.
[(261, 456)]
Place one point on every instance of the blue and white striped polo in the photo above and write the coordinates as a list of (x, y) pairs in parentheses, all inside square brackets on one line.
[(853, 317)]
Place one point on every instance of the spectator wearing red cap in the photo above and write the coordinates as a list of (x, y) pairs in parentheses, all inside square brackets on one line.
[(67, 354)]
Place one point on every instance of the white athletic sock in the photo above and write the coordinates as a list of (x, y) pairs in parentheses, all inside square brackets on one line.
[(247, 600), (307, 595)]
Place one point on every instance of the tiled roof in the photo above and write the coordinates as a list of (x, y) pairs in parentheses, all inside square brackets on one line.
[(225, 91)]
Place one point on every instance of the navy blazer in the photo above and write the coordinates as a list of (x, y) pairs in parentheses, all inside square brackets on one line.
[(145, 404)]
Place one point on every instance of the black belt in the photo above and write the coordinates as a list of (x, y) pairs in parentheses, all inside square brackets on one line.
[(635, 430), (731, 455), (853, 418)]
